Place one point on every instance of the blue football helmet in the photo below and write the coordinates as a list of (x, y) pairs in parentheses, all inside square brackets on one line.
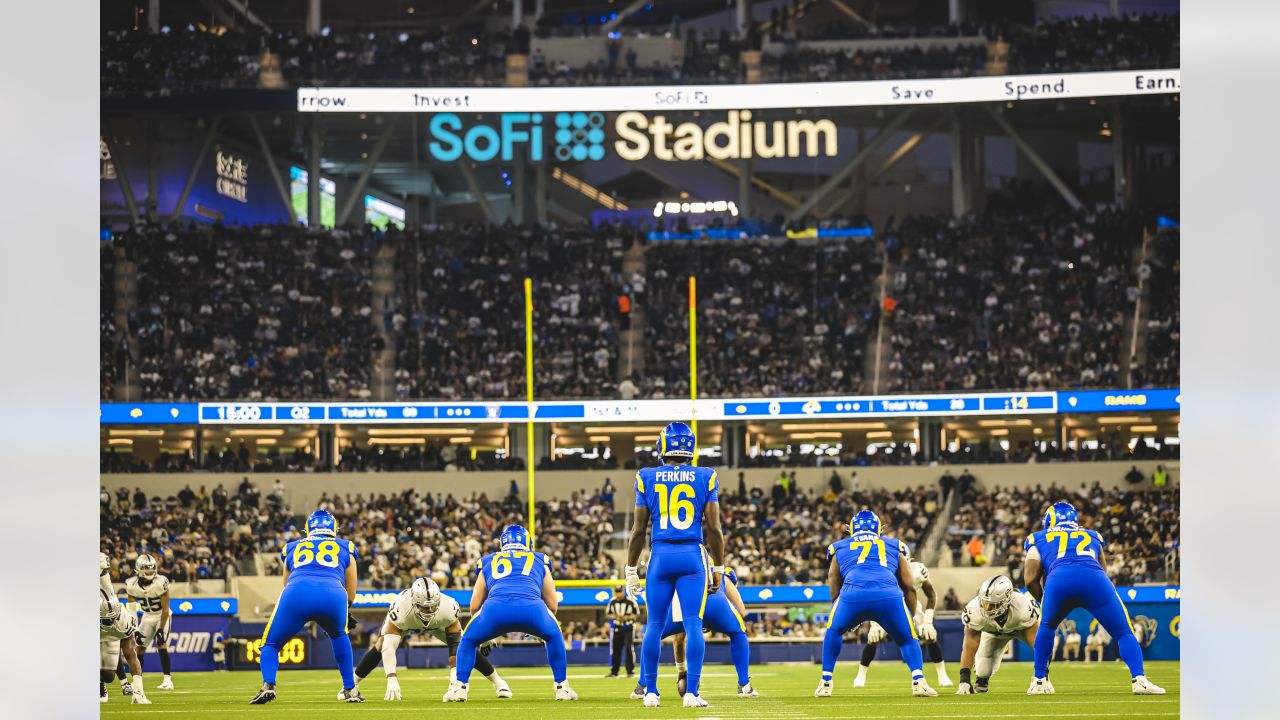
[(864, 522), (677, 440), (1061, 514), (514, 537), (321, 522)]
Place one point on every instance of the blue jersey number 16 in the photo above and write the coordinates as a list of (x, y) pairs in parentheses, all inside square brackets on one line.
[(675, 506)]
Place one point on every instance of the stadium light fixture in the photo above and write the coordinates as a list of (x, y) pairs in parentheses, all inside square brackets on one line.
[(1000, 433), (266, 441), (120, 441), (1122, 420), (135, 433), (1143, 428), (836, 426), (598, 438), (257, 432), (646, 438), (416, 432), (625, 429), (398, 441), (874, 435), (461, 439)]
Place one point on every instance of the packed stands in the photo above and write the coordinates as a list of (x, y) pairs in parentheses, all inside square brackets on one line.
[(1030, 301), (1164, 289), (188, 61), (1140, 526), (774, 318), (251, 313), (208, 533)]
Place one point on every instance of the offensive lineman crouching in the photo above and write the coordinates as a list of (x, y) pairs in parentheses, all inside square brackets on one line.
[(423, 608), (992, 620), (116, 632)]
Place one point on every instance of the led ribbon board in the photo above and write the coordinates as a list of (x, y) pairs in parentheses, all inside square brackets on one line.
[(480, 412), (1000, 88)]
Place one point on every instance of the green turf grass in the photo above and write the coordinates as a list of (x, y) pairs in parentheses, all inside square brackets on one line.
[(786, 693)]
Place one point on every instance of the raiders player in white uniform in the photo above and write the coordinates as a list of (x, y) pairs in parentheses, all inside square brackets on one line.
[(423, 608), (104, 581), (924, 628), (991, 621), (116, 631), (151, 591)]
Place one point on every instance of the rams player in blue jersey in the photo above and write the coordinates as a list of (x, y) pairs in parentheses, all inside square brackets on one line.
[(514, 592), (1064, 571), (724, 614), (870, 579), (319, 585), (674, 501)]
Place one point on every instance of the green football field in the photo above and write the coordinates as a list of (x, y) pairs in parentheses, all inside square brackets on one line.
[(786, 692)]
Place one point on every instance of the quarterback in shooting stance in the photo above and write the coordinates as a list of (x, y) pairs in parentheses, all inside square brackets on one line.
[(870, 579), (674, 502), (116, 631), (319, 585), (422, 608), (150, 591), (924, 628), (514, 592), (724, 614), (992, 620), (1064, 570)]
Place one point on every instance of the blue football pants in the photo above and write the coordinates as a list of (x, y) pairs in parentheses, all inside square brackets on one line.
[(500, 617), (1072, 587), (676, 572), (850, 610), (326, 604)]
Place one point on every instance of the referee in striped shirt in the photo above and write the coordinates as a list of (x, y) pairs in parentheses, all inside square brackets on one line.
[(623, 613)]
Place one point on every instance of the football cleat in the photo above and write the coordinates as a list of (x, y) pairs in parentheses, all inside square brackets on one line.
[(502, 689), (457, 692), (982, 685), (638, 692), (265, 695), (920, 688), (652, 700), (352, 696), (860, 681), (746, 691), (691, 700), (139, 698), (126, 688), (944, 681), (824, 689), (103, 696), (342, 694), (1040, 686), (564, 692), (1143, 686), (166, 685)]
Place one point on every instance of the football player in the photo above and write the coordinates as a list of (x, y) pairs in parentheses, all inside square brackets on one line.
[(1064, 570), (870, 579), (924, 627), (150, 591), (104, 581), (116, 631), (680, 501), (992, 620), (422, 608), (724, 614), (319, 585), (516, 587)]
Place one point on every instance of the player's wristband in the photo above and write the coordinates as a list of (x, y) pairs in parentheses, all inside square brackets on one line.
[(928, 616), (718, 569), (632, 570), (965, 675)]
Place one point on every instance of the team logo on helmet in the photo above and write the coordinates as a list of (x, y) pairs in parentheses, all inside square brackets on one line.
[(1060, 513), (514, 537), (864, 521)]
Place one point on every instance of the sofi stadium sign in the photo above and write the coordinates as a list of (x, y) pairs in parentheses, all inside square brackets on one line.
[(582, 136), (654, 99)]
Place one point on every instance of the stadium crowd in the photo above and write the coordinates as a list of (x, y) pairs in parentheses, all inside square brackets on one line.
[(188, 60), (212, 534), (250, 313), (1140, 526), (1163, 276), (775, 319), (1019, 301)]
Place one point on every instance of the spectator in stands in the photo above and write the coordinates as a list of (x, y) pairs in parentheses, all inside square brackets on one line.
[(1134, 476), (951, 601), (947, 483), (186, 496)]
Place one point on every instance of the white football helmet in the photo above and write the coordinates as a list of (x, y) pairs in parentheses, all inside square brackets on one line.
[(108, 608), (146, 566), (996, 595), (425, 596)]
